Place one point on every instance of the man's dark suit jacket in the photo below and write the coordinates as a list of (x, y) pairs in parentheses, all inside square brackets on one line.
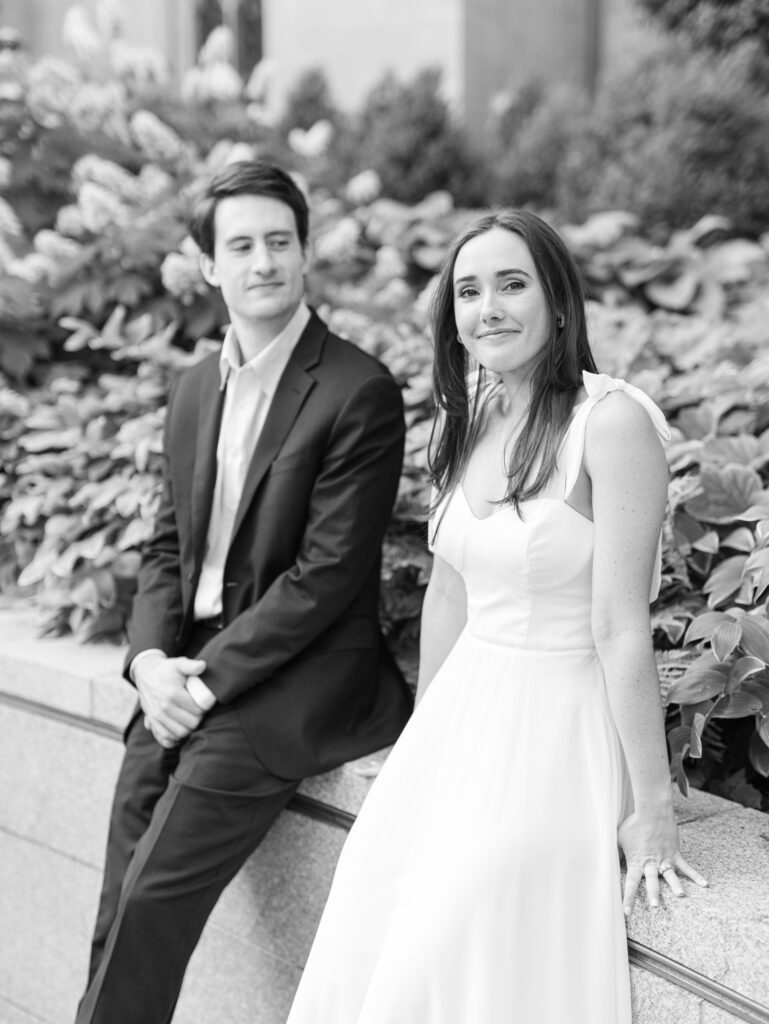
[(300, 653)]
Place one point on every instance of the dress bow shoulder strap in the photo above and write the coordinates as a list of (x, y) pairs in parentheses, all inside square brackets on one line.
[(597, 386)]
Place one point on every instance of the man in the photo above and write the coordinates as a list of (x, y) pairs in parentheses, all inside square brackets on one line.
[(254, 642)]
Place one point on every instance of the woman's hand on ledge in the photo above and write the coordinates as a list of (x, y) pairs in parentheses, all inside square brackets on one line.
[(652, 852)]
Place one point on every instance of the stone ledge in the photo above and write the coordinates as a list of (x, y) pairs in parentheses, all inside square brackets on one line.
[(721, 933), (86, 680)]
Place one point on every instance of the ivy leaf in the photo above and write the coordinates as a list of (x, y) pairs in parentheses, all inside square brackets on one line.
[(758, 752), (726, 493), (737, 705), (725, 638)]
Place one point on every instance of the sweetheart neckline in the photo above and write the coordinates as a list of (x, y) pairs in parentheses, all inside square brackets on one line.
[(531, 501)]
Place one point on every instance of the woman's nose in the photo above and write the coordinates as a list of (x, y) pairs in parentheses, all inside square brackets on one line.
[(490, 310)]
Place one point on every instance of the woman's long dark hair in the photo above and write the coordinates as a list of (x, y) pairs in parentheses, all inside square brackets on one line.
[(555, 380)]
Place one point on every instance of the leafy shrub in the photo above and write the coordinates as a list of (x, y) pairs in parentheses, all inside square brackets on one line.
[(102, 302), (714, 24), (533, 137), (679, 136), (309, 101), (407, 133)]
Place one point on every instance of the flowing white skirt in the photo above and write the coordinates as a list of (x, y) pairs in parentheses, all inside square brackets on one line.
[(480, 883)]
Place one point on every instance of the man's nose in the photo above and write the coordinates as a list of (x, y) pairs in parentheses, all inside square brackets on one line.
[(262, 261)]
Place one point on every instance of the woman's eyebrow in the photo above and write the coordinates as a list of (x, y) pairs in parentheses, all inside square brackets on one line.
[(499, 273)]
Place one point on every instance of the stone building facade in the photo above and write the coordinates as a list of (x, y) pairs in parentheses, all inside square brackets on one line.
[(481, 46)]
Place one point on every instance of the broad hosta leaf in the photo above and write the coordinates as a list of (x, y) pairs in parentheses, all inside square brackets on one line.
[(755, 513), (741, 450), (678, 740), (686, 530), (755, 637), (737, 705), (726, 493), (708, 542), (725, 580), (698, 684), (135, 534), (726, 636), (40, 566), (756, 567), (741, 539), (763, 729), (741, 670), (95, 591), (759, 688), (679, 774), (50, 440), (701, 627), (695, 742), (758, 752), (108, 622)]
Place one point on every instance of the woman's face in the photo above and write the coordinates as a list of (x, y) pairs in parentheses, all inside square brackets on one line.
[(500, 308)]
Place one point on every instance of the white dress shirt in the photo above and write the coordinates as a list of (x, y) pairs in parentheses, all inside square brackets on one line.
[(250, 388)]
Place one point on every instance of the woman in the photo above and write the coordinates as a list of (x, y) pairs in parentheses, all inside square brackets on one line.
[(481, 882)]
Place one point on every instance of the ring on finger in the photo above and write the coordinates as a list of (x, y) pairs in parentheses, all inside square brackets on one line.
[(664, 866)]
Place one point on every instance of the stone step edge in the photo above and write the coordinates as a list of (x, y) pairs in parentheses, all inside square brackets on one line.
[(735, 1003), (740, 1007)]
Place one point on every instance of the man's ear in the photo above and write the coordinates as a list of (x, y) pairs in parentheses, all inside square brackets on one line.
[(208, 270)]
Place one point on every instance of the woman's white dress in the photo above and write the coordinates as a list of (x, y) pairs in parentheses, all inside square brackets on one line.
[(480, 883)]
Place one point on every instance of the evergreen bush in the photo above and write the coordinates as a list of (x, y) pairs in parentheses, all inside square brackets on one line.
[(407, 133), (679, 136), (531, 142)]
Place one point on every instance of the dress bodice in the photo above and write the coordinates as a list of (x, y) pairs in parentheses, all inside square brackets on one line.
[(529, 577)]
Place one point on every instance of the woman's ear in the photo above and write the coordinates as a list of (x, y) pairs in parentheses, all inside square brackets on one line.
[(208, 270)]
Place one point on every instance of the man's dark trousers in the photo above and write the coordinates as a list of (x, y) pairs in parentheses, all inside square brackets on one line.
[(183, 822)]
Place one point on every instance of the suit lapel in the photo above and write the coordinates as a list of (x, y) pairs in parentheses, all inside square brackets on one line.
[(210, 406), (293, 387)]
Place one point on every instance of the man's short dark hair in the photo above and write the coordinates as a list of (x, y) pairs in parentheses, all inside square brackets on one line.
[(247, 177)]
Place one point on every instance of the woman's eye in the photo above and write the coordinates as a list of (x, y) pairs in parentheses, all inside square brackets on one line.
[(513, 286), (467, 292)]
